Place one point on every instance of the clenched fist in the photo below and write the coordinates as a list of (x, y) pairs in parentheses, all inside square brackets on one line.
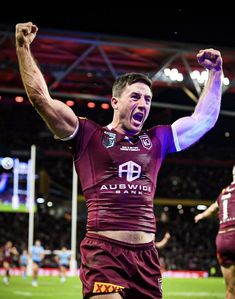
[(25, 33), (210, 59)]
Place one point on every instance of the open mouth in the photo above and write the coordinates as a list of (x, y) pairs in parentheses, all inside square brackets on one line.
[(138, 116)]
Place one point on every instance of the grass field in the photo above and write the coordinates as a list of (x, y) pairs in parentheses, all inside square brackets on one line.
[(52, 288)]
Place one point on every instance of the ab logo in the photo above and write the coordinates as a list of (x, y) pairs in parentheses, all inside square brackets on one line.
[(129, 169)]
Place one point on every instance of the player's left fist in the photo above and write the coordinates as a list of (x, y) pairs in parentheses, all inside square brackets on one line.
[(210, 59)]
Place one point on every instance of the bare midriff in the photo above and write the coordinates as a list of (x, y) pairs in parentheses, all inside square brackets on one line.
[(132, 237)]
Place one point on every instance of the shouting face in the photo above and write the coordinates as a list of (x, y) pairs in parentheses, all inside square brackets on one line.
[(131, 109)]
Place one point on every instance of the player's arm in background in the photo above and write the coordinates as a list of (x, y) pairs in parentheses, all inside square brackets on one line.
[(164, 241), (212, 208)]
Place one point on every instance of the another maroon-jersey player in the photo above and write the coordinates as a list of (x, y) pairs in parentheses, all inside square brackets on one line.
[(8, 251), (225, 240)]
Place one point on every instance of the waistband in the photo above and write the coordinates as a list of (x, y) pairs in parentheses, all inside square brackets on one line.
[(142, 246)]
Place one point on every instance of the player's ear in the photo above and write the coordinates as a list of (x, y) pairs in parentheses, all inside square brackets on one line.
[(114, 103)]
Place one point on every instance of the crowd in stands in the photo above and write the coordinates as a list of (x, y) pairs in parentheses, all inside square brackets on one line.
[(192, 246)]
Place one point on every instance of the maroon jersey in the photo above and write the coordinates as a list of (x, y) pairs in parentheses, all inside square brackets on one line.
[(118, 174), (7, 254), (226, 203)]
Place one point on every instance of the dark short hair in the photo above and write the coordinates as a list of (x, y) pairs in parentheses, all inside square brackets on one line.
[(128, 79)]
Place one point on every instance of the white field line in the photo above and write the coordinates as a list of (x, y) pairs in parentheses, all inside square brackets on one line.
[(27, 294)]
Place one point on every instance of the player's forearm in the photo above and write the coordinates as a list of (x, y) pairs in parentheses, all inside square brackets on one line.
[(212, 208), (205, 214), (161, 243), (208, 107), (32, 77)]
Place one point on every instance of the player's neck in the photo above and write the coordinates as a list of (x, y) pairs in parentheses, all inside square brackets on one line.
[(121, 130)]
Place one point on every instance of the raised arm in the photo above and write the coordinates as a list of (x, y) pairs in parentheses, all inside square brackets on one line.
[(190, 129), (60, 119), (212, 208)]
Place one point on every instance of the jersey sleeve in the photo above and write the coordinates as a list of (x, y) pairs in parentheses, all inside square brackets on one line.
[(80, 140), (165, 137)]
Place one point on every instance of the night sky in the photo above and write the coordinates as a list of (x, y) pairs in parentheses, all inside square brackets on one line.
[(212, 27)]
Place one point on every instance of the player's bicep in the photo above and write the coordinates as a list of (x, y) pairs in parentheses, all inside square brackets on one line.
[(188, 131), (59, 118)]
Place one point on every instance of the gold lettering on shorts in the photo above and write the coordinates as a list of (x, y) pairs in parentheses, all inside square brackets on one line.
[(103, 287)]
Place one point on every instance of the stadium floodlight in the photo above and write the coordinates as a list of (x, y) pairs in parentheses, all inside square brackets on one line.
[(201, 207)]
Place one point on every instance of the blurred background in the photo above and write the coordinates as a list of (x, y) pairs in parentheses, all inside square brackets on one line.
[(80, 56)]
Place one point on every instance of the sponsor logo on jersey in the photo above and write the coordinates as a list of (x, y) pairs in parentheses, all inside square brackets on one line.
[(103, 287), (130, 169), (130, 148), (109, 139), (229, 189), (126, 188), (145, 140)]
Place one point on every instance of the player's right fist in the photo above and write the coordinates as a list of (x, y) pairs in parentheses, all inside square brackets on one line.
[(25, 33)]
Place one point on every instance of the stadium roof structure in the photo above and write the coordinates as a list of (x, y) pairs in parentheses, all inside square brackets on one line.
[(83, 66)]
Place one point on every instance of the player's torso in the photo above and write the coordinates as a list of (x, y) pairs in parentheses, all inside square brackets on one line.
[(36, 252), (64, 258), (118, 175), (117, 165), (7, 254), (226, 203)]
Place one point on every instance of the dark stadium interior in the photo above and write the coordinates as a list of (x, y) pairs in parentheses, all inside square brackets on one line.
[(194, 176)]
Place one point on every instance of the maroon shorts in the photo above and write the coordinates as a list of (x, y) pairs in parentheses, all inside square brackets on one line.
[(109, 266), (8, 260), (225, 244)]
